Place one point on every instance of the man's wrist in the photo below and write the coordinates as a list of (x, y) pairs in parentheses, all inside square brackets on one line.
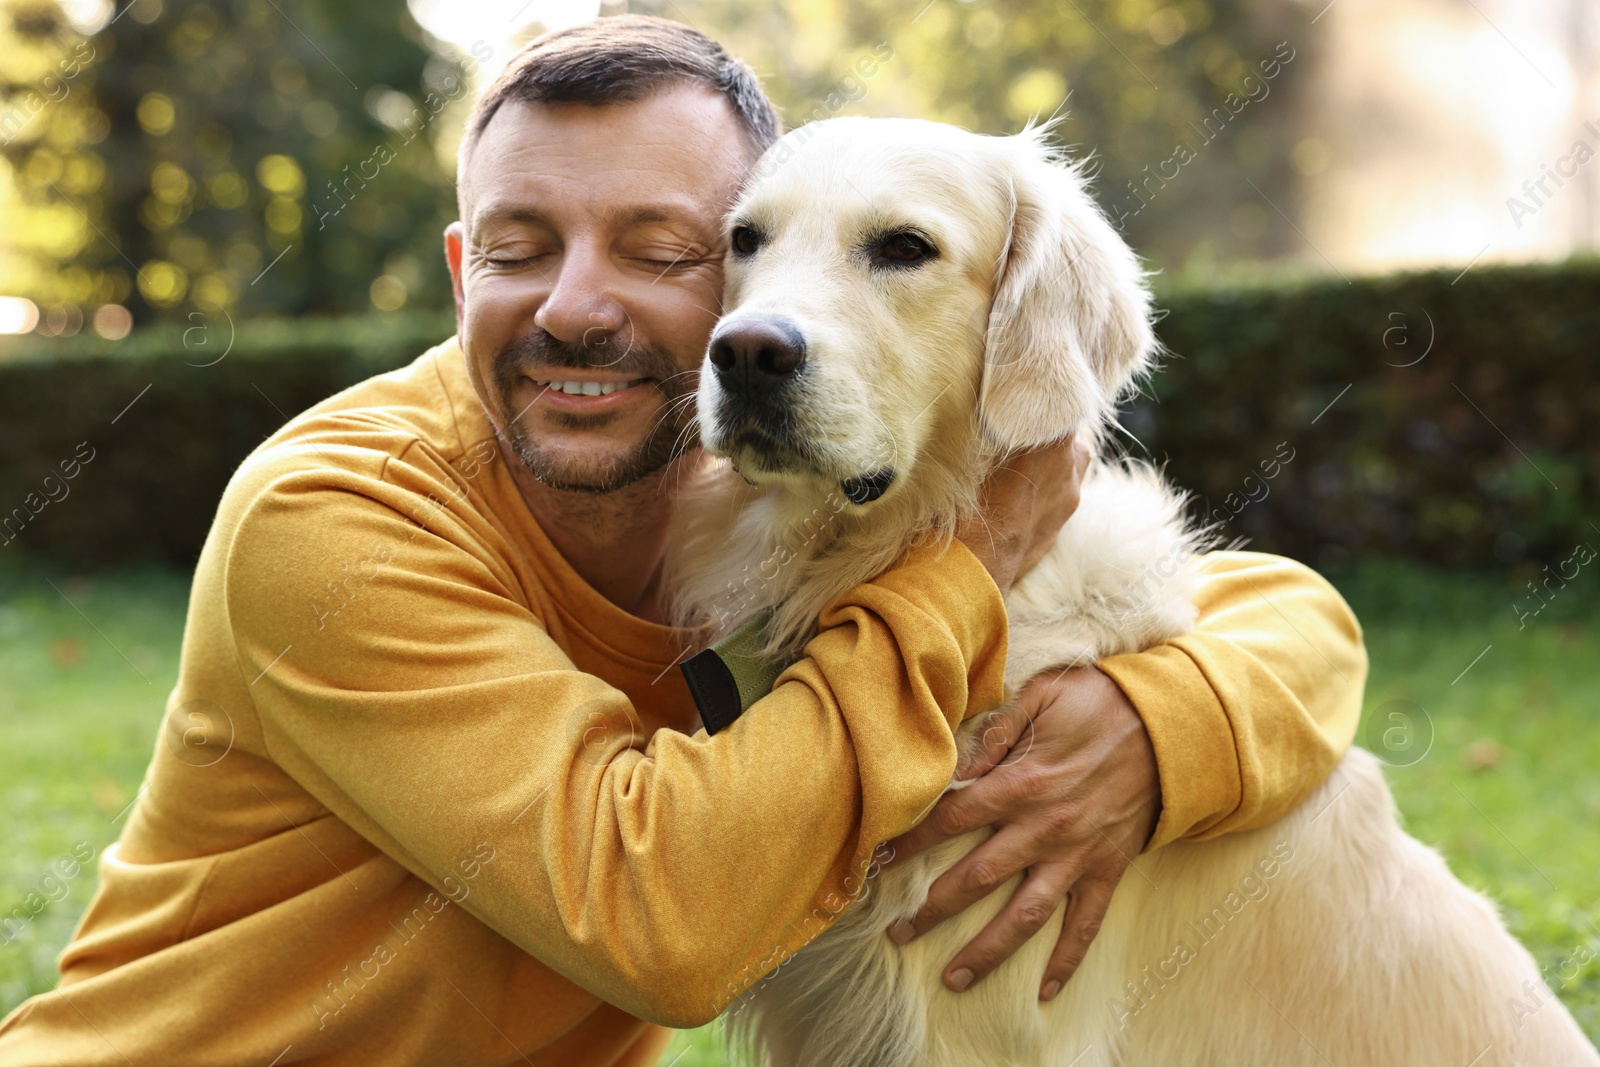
[(1140, 750)]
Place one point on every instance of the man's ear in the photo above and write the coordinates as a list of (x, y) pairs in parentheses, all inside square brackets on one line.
[(1069, 327), (455, 236)]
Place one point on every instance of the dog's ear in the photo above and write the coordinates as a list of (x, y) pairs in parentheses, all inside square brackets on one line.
[(1069, 326)]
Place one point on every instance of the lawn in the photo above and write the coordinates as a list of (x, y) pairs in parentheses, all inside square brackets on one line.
[(1508, 787)]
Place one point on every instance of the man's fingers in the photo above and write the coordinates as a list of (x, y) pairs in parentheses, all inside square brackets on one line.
[(1025, 914), (1086, 906), (919, 838), (957, 812), (978, 873), (1000, 731), (980, 803)]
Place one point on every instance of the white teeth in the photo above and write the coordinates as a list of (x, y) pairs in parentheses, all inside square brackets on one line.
[(587, 388)]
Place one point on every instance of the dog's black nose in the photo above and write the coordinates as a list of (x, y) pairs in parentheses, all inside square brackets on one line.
[(756, 355)]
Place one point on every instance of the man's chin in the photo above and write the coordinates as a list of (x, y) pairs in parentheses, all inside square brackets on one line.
[(591, 468)]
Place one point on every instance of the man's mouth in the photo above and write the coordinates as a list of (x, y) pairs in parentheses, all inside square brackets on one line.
[(582, 388)]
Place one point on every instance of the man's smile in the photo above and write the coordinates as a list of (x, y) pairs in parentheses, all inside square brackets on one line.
[(589, 388), (587, 393)]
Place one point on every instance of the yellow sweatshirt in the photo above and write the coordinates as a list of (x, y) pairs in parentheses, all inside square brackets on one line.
[(422, 796)]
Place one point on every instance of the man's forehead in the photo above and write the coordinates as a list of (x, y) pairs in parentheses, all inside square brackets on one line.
[(676, 155)]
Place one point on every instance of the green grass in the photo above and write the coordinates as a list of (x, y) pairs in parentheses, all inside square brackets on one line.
[(1509, 789), (78, 719)]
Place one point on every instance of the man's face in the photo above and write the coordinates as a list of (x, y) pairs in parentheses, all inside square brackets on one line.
[(588, 276)]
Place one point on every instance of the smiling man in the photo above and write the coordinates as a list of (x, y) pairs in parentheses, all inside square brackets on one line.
[(591, 382), (466, 813)]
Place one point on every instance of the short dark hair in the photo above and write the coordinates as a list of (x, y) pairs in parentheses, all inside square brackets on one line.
[(619, 60)]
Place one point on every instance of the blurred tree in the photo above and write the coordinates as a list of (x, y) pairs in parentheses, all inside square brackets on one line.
[(1182, 104), (288, 155), (258, 156), (47, 132)]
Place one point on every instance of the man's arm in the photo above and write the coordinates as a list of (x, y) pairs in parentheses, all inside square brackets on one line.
[(1225, 728), (433, 712), (1250, 712)]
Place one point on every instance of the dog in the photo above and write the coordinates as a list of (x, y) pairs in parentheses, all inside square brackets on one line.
[(907, 303)]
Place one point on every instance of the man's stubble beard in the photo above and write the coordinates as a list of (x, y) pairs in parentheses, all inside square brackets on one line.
[(672, 434)]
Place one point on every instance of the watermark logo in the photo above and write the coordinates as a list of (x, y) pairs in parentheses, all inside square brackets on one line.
[(1398, 342), (199, 733), (1253, 89), (1541, 595), (52, 90), (1399, 732), (197, 339), (1538, 191)]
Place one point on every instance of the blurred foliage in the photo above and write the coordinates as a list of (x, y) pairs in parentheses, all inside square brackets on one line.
[(203, 141), (1483, 451), (1157, 92), (152, 427), (167, 160), (48, 134)]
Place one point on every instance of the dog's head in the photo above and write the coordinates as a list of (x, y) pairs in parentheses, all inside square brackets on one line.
[(896, 287)]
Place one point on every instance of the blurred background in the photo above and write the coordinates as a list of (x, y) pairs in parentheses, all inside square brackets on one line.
[(1373, 226), (159, 155)]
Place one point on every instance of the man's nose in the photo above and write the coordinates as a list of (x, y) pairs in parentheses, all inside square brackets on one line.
[(757, 355), (582, 307)]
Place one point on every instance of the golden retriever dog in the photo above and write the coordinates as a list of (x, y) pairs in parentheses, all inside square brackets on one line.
[(907, 303)]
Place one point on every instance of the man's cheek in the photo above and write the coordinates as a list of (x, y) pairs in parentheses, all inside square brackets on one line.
[(492, 317), (698, 311)]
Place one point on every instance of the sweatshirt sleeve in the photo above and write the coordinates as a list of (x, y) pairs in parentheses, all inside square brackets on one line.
[(1250, 711), (433, 712)]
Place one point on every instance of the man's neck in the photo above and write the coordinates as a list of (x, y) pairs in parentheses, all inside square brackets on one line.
[(615, 541)]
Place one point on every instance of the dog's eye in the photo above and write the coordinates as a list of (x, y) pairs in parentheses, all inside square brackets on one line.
[(902, 249), (745, 240)]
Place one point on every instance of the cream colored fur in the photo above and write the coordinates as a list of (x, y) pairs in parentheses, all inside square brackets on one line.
[(1329, 937)]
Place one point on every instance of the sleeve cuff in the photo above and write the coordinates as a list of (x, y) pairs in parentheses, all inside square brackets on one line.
[(952, 588), (1191, 734), (731, 675)]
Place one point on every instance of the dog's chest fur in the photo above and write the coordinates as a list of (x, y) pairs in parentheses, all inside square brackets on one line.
[(1118, 579)]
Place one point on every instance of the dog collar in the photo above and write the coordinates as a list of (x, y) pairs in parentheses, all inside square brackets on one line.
[(731, 675)]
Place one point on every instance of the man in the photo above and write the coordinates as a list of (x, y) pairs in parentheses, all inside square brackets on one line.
[(466, 816)]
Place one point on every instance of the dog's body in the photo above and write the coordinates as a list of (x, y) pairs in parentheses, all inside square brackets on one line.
[(1329, 937)]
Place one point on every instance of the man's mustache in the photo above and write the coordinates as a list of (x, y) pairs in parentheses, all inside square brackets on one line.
[(541, 349)]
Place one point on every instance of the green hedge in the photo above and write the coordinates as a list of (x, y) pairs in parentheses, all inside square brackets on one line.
[(159, 466), (1485, 449)]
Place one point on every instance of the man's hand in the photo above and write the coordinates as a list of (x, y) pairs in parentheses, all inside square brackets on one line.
[(1022, 506), (1068, 780)]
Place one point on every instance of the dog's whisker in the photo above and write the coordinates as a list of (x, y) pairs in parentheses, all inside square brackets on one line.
[(680, 374), (670, 411), (688, 428)]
